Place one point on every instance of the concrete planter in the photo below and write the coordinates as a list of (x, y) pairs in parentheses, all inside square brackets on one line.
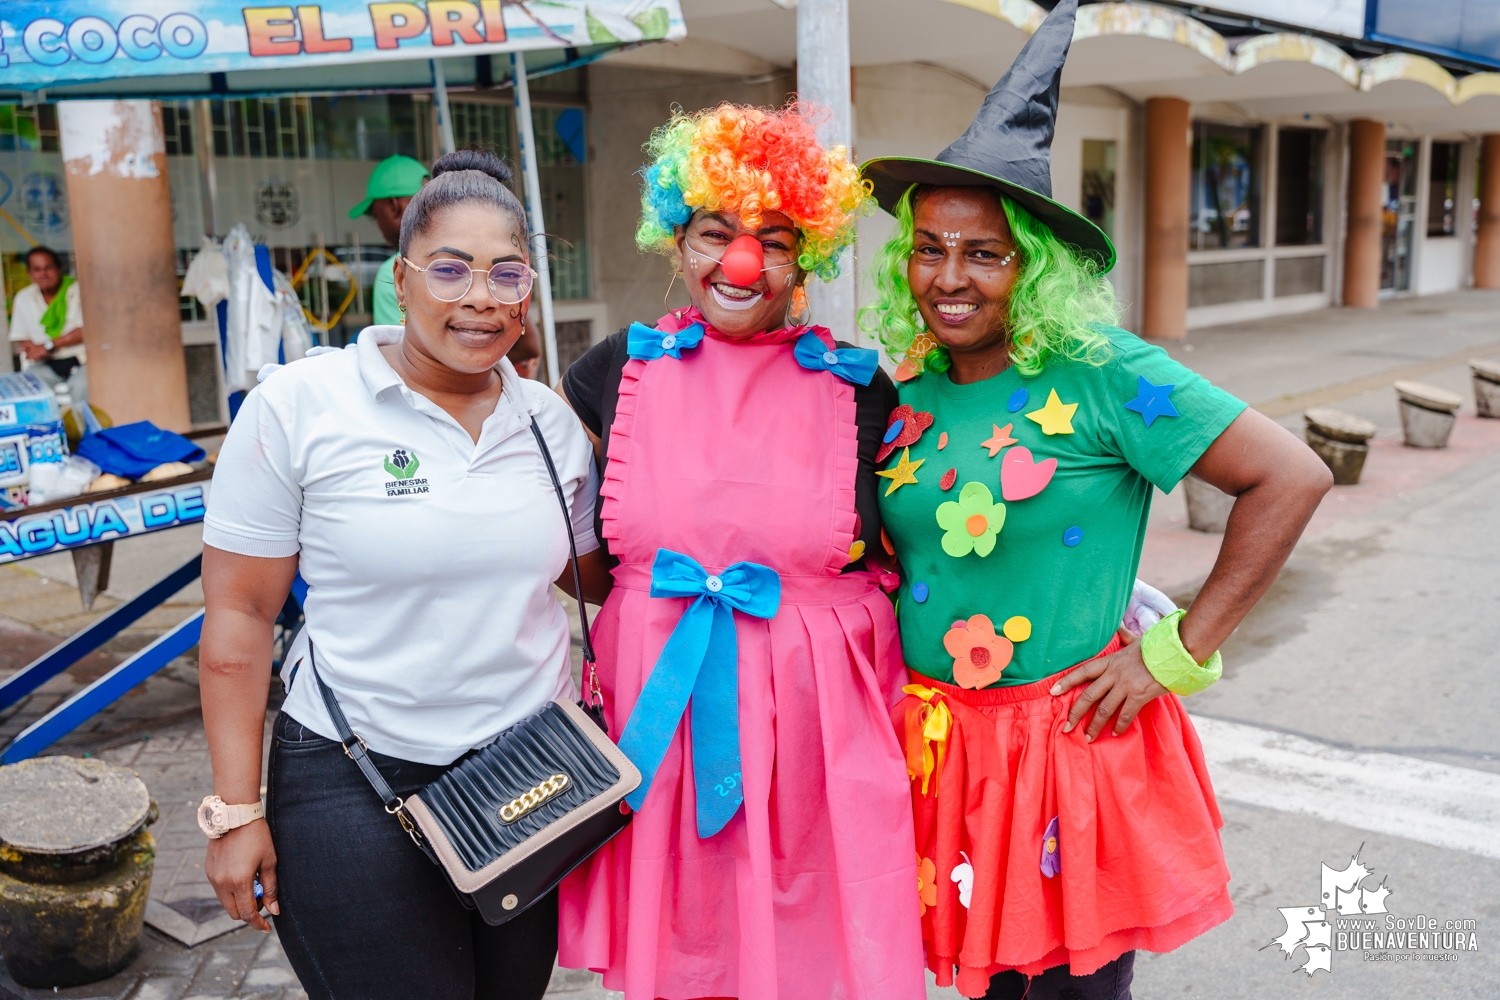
[(1427, 413), (1486, 387), (67, 934), (1339, 439), (75, 869), (1208, 509), (1343, 458)]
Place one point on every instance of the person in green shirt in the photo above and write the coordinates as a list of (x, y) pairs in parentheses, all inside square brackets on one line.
[(1019, 470), (390, 187)]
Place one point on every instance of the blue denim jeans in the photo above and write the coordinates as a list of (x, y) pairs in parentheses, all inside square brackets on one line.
[(364, 914), (1111, 982)]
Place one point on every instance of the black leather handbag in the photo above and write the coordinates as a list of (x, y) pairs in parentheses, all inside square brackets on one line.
[(509, 822)]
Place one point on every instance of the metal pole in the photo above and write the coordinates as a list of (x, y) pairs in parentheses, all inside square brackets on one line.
[(534, 207), (440, 101), (823, 79), (208, 185)]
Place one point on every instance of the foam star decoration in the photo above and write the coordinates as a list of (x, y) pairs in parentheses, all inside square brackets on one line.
[(1151, 400), (999, 439), (903, 472), (1056, 417)]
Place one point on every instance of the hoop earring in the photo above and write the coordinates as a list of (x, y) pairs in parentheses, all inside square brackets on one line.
[(670, 284), (801, 309)]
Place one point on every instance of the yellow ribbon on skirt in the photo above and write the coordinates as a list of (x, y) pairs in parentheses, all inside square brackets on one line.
[(936, 722)]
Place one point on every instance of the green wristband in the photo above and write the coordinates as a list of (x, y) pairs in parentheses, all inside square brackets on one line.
[(1171, 664)]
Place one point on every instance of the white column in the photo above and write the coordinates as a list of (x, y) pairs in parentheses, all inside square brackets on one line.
[(440, 102), (120, 203), (534, 208), (823, 79)]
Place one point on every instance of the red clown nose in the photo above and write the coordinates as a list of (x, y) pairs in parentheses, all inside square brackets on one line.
[(742, 261)]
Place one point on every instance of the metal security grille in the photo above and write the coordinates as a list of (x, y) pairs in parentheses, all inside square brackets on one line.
[(573, 341), (203, 383)]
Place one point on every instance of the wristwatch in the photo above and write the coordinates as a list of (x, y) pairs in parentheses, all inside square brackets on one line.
[(217, 818)]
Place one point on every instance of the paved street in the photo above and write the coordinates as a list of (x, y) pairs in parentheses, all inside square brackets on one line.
[(1355, 713)]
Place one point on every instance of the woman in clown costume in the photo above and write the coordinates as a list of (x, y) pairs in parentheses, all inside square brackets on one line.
[(1063, 812), (748, 658)]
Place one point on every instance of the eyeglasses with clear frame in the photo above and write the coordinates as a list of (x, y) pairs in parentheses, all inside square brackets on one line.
[(450, 280)]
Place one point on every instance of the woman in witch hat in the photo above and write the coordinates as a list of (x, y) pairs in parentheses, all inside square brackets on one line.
[(749, 659), (1064, 815)]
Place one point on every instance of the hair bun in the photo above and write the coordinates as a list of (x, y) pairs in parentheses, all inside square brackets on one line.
[(470, 158)]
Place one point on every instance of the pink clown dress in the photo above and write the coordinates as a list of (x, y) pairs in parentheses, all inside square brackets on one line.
[(734, 452)]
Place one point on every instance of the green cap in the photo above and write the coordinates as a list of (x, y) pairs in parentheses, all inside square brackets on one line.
[(393, 177)]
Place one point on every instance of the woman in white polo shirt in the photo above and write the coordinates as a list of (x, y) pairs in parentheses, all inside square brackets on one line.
[(403, 479)]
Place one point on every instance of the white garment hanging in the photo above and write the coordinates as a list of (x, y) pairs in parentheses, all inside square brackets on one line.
[(207, 277)]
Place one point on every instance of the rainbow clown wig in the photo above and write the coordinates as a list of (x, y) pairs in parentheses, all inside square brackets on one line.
[(749, 161)]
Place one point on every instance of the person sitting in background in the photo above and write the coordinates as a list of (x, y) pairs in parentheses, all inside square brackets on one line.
[(390, 188), (47, 325), (527, 354)]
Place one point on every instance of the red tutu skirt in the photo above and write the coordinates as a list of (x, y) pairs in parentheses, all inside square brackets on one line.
[(1036, 848)]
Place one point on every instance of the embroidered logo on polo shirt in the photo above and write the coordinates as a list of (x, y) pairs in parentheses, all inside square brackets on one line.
[(403, 466)]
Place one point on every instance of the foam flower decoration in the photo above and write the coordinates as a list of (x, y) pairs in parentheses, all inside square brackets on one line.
[(1051, 858), (926, 882), (913, 363), (971, 523), (979, 655)]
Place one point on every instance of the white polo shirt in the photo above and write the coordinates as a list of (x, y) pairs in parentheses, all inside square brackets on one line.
[(26, 322), (429, 559)]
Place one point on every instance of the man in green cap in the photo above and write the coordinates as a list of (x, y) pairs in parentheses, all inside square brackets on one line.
[(392, 183)]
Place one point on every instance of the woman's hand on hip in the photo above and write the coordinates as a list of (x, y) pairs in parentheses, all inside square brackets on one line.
[(233, 862), (1121, 687)]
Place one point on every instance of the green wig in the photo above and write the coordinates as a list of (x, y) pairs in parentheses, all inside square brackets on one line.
[(1058, 304)]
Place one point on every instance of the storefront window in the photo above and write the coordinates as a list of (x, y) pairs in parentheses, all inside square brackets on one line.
[(1226, 187), (561, 149), (1099, 184), (1299, 186), (1398, 214), (1442, 191), (32, 129)]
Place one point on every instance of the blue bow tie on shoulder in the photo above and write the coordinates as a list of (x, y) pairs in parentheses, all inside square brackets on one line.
[(852, 364), (647, 343), (701, 660)]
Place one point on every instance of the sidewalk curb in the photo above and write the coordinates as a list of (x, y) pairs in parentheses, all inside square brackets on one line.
[(181, 929)]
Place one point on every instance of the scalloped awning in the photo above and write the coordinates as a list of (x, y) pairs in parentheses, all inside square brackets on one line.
[(1139, 49)]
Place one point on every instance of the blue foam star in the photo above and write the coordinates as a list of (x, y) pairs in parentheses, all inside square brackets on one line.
[(1152, 401)]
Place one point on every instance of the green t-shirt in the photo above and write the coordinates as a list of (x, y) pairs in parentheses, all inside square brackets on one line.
[(1064, 559), (383, 296)]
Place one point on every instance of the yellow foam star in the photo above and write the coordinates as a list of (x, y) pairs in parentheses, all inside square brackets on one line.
[(903, 472), (1000, 439), (1056, 417)]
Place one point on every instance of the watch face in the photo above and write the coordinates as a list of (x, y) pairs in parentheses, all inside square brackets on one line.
[(211, 818)]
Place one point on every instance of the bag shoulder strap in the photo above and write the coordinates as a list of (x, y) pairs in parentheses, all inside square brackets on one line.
[(354, 746), (583, 614), (355, 749)]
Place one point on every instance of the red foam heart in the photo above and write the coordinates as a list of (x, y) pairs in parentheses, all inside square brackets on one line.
[(914, 423), (1020, 477)]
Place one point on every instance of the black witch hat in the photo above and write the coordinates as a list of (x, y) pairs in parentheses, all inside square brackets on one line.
[(1008, 146)]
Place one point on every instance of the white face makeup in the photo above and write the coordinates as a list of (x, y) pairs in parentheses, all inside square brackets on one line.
[(951, 239), (729, 298)]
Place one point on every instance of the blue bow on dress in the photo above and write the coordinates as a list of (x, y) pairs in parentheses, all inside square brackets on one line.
[(647, 343), (701, 659), (852, 364)]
